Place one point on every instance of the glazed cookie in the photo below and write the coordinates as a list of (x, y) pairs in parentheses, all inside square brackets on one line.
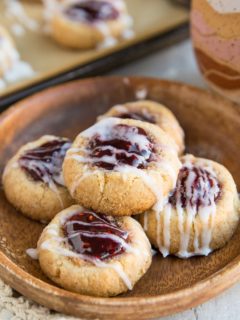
[(121, 167), (201, 214), (85, 24), (33, 180), (8, 52), (151, 112), (94, 254)]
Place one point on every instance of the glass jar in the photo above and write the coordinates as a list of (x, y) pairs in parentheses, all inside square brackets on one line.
[(215, 28)]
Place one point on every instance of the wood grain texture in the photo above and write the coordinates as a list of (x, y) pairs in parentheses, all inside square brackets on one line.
[(212, 130)]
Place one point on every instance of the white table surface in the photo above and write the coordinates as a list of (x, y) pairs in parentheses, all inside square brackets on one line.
[(175, 63)]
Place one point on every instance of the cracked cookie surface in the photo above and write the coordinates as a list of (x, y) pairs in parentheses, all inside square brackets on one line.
[(201, 214), (94, 254), (121, 167), (32, 179)]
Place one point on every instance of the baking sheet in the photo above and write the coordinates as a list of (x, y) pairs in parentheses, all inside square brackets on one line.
[(48, 59)]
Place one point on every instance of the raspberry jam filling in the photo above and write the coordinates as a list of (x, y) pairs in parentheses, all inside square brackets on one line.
[(92, 11), (142, 116), (95, 235), (123, 145), (196, 187), (44, 163)]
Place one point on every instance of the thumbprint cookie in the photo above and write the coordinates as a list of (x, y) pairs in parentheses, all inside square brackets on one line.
[(94, 254), (85, 24), (8, 52), (121, 167), (152, 112), (33, 180), (201, 214)]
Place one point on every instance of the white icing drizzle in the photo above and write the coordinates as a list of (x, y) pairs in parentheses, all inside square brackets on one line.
[(20, 70), (119, 270), (17, 29), (187, 216), (127, 21), (158, 209), (100, 127), (141, 93), (58, 244), (45, 167), (32, 253), (154, 252), (167, 228), (13, 68), (46, 179), (103, 128), (53, 7), (225, 6), (158, 229), (150, 182), (80, 178), (8, 53), (108, 41), (128, 34), (15, 10), (185, 234), (109, 159), (123, 18)]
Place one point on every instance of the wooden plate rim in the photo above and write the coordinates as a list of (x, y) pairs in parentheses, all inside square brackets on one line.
[(164, 304)]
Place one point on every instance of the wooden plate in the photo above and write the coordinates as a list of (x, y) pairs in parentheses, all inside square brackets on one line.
[(212, 130)]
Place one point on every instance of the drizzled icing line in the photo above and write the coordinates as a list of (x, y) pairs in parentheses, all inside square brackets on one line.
[(45, 163), (12, 66), (103, 128), (16, 11), (55, 244), (186, 216), (53, 7), (206, 215)]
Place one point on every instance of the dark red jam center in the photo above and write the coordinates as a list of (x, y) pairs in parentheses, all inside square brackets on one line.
[(120, 149), (92, 11), (95, 235), (142, 116), (196, 187), (44, 163)]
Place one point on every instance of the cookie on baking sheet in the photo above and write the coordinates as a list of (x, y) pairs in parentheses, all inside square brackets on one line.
[(94, 254), (201, 214), (84, 24), (121, 167), (152, 112), (33, 181)]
